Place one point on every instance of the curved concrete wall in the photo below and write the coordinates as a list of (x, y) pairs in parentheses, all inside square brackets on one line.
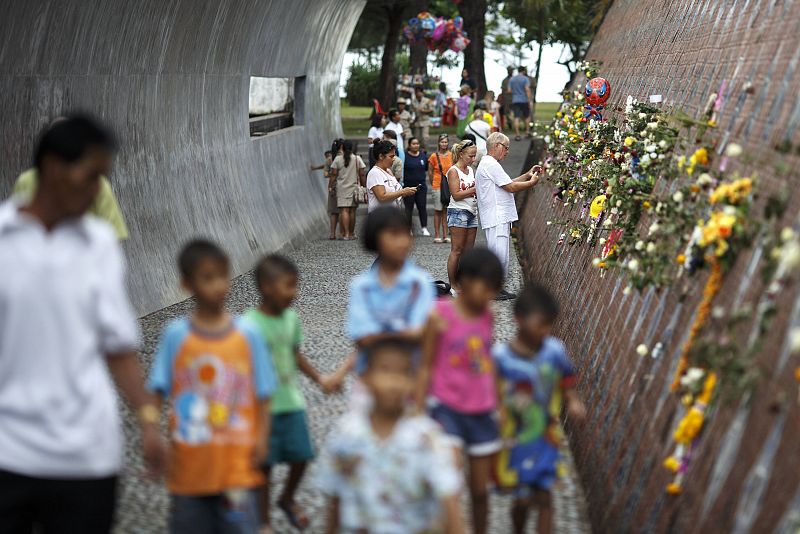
[(744, 476), (172, 78)]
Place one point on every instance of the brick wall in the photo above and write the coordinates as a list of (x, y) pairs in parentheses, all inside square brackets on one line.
[(745, 475)]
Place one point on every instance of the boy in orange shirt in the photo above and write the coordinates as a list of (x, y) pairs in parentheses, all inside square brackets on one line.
[(218, 379)]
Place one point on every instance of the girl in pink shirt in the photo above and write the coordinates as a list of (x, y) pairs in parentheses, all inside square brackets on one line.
[(457, 375)]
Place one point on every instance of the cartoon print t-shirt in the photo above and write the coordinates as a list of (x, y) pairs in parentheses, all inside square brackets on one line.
[(532, 387), (214, 383)]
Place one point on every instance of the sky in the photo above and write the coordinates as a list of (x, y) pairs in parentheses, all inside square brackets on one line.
[(553, 76)]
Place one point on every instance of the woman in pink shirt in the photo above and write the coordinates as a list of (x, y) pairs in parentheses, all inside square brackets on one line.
[(457, 377)]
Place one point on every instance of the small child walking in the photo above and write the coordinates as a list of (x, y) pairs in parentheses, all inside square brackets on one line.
[(457, 378), (217, 376), (535, 375), (281, 332), (383, 470)]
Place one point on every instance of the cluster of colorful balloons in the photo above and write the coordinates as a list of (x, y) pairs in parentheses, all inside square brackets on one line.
[(438, 33)]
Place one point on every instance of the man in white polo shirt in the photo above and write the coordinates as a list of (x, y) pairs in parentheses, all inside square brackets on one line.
[(67, 333), (496, 207)]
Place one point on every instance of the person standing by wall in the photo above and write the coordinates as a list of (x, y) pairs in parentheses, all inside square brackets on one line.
[(437, 163), (520, 88), (496, 191), (462, 212), (422, 108), (415, 169), (68, 335), (333, 205), (347, 171)]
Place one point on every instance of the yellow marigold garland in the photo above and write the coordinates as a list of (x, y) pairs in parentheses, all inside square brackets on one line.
[(710, 291)]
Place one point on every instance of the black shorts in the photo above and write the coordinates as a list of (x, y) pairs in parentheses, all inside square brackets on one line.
[(56, 506), (522, 110)]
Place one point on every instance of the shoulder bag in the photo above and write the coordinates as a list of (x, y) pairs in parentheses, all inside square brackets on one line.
[(444, 187)]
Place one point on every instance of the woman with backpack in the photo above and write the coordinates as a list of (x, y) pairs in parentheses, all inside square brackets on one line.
[(438, 164)]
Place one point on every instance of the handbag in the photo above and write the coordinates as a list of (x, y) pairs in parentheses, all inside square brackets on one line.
[(444, 187), (360, 195)]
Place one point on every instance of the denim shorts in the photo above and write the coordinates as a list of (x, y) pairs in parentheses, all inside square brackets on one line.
[(459, 218), (477, 434)]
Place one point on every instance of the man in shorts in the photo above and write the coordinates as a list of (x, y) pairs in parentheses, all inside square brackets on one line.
[(520, 87)]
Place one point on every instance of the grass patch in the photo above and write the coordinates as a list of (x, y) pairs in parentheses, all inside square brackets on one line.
[(355, 119)]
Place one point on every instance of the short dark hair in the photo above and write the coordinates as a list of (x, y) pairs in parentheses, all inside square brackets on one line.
[(523, 69), (443, 87), (482, 264), (407, 348), (393, 111), (328, 153), (270, 267), (196, 251), (381, 148), (536, 299), (380, 220), (471, 137), (70, 138), (391, 134)]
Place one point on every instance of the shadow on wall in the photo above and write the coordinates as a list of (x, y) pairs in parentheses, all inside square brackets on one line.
[(173, 80)]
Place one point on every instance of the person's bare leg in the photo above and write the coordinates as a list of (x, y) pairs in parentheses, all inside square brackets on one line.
[(519, 514), (264, 502), (472, 233), (352, 222), (459, 236), (286, 500), (544, 523), (479, 473), (334, 223), (516, 126), (437, 221), (345, 214)]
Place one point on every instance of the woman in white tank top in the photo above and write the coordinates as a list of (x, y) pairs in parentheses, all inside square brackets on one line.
[(462, 212)]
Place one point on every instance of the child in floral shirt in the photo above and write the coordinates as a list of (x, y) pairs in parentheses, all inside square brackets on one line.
[(386, 472)]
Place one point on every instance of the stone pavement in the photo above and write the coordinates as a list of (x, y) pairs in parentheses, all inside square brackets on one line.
[(327, 268)]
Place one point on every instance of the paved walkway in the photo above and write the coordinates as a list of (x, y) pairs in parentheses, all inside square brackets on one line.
[(327, 268)]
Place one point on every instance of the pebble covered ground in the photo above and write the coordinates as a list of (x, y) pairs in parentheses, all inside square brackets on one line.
[(326, 268)]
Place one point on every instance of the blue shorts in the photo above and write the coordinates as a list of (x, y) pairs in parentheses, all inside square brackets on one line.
[(460, 218), (535, 464), (476, 433), (289, 440), (193, 514)]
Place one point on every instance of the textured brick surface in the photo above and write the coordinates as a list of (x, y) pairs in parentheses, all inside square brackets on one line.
[(744, 475)]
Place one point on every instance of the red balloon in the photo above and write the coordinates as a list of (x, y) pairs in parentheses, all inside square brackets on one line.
[(597, 91)]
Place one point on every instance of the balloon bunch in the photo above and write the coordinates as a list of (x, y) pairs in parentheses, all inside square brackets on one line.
[(438, 33)]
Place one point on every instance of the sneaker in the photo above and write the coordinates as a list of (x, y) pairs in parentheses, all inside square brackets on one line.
[(505, 295), (425, 232)]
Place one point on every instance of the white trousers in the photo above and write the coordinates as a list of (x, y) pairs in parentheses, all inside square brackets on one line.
[(498, 239)]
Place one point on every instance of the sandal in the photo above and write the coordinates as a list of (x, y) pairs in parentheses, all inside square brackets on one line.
[(517, 138), (447, 240), (438, 240), (295, 517)]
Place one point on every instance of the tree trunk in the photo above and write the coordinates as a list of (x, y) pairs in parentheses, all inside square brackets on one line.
[(418, 53), (386, 81), (538, 70), (474, 15)]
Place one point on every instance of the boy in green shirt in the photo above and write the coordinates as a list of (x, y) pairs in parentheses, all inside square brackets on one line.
[(290, 439)]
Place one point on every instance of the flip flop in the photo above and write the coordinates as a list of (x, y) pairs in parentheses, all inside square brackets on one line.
[(517, 138), (298, 521)]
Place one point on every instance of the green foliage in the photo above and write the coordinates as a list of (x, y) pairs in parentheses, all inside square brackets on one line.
[(362, 85)]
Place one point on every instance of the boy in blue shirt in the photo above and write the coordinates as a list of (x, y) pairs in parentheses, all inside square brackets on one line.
[(535, 374)]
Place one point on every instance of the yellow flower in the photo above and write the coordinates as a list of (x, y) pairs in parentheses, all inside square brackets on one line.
[(601, 265), (559, 114), (646, 204), (674, 489), (712, 123), (672, 464), (681, 259), (629, 141), (681, 162), (701, 156)]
